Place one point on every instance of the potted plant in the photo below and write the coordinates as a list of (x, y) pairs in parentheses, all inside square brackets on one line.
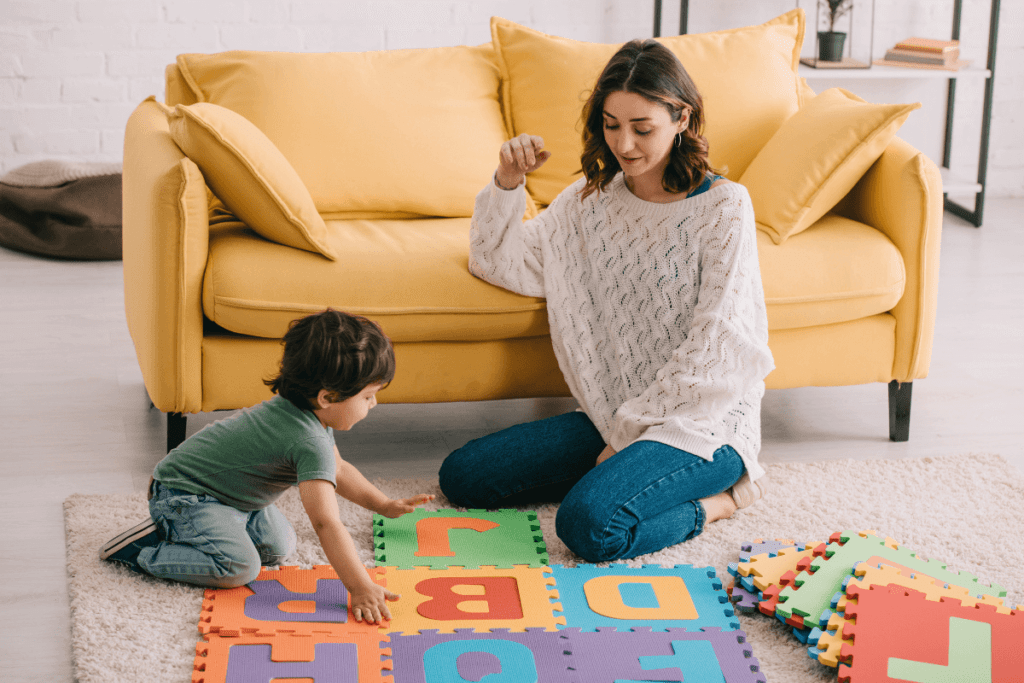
[(830, 42)]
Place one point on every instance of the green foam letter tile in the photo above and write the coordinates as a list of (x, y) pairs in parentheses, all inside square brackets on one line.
[(450, 538)]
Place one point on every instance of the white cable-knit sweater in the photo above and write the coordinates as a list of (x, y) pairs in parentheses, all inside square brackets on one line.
[(656, 311)]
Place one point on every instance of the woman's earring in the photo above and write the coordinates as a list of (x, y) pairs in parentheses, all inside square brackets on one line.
[(679, 139)]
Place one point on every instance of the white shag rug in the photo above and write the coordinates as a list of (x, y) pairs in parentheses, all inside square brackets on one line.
[(964, 510)]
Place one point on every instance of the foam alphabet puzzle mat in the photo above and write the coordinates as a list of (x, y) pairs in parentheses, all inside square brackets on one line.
[(898, 634), (479, 603)]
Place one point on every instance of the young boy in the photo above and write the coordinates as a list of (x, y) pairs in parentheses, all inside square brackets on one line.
[(213, 522)]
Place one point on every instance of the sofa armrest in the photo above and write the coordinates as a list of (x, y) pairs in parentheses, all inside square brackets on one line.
[(165, 244), (901, 195)]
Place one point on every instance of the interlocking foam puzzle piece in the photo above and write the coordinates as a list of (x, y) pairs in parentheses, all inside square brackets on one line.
[(515, 598), (769, 600), (286, 600), (761, 571), (866, 574), (829, 636), (899, 635), (768, 590), (626, 597), (812, 591), (449, 538), (760, 546), (742, 600), (778, 561), (347, 658), (711, 654), (827, 642), (467, 655)]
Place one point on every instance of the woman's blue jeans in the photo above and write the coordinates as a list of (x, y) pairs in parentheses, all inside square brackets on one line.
[(207, 543), (642, 499)]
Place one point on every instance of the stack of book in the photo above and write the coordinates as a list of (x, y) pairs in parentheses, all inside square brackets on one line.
[(925, 53)]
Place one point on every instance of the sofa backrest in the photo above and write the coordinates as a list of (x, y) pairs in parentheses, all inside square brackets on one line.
[(391, 133), (407, 133)]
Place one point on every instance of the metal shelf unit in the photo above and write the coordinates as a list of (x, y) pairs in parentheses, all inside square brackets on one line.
[(974, 217)]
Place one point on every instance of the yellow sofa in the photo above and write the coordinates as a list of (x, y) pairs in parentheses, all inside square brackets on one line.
[(393, 146)]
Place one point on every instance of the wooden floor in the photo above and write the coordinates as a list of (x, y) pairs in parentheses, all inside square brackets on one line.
[(75, 417)]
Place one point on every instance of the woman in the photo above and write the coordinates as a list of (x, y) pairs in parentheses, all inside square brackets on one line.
[(657, 316)]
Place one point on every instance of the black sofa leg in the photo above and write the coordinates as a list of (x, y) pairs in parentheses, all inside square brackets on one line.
[(899, 410), (175, 430)]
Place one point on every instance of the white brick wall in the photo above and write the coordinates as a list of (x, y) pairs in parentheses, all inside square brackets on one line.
[(71, 71)]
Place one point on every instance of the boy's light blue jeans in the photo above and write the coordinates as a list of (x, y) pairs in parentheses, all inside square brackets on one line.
[(210, 544), (642, 499)]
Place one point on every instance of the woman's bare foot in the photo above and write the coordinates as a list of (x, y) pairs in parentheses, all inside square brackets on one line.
[(718, 507)]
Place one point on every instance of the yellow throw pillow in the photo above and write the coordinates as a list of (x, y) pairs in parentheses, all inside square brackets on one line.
[(250, 175), (816, 157), (746, 76)]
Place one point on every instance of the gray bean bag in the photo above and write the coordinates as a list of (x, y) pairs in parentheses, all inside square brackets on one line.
[(67, 210)]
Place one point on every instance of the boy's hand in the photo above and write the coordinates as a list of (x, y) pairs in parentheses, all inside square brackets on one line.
[(396, 508), (370, 603)]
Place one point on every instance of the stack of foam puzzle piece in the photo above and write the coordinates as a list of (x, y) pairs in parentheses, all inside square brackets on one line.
[(876, 611), (479, 603)]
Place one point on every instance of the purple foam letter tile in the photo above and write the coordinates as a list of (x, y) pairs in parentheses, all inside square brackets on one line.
[(607, 655), (465, 655)]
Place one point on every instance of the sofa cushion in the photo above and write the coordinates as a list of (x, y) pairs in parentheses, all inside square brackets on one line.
[(835, 271), (396, 132), (412, 276), (746, 76), (250, 175), (816, 157)]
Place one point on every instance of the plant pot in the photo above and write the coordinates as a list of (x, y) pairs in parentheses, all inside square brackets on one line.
[(830, 46)]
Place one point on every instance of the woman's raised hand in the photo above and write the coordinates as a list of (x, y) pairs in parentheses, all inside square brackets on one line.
[(520, 155)]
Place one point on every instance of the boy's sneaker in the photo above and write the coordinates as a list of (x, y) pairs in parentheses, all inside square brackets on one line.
[(125, 548), (745, 492)]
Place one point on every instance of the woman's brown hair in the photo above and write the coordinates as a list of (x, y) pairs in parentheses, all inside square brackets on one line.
[(647, 68)]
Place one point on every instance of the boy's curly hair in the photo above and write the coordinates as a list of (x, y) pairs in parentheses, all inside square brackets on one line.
[(335, 351)]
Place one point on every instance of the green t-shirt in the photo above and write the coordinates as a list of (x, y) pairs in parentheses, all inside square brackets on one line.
[(249, 459)]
